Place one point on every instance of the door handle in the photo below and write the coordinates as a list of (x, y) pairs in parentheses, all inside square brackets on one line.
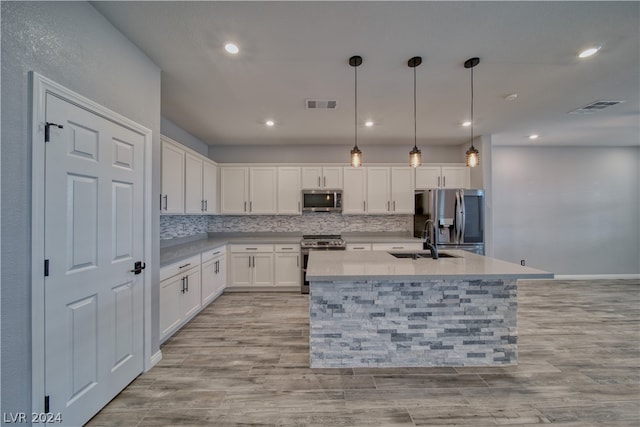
[(182, 285), (166, 201), (187, 281), (444, 181), (324, 181), (206, 206), (138, 267), (438, 181), (394, 205)]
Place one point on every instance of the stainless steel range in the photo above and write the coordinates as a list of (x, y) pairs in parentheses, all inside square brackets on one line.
[(318, 242)]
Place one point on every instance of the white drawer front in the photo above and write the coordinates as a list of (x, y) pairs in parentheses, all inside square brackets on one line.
[(359, 246), (179, 267), (287, 248), (213, 253), (251, 248)]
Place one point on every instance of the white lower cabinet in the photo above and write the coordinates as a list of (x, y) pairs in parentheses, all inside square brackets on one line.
[(251, 265), (180, 294), (287, 265), (214, 274)]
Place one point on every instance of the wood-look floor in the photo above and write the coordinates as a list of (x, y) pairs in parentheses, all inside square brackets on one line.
[(244, 361)]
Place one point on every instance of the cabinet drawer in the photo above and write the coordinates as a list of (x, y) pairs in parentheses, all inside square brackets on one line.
[(397, 246), (287, 248), (213, 253), (359, 246), (179, 267), (251, 248)]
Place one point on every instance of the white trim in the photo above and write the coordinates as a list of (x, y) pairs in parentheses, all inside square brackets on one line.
[(39, 87), (155, 359), (596, 276)]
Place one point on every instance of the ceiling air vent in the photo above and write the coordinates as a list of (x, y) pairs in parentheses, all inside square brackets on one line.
[(594, 107), (321, 104)]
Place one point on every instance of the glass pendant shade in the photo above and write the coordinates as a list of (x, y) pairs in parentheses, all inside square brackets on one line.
[(356, 157), (415, 157), (472, 157)]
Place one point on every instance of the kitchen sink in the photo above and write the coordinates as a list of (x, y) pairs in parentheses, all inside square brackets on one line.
[(424, 254)]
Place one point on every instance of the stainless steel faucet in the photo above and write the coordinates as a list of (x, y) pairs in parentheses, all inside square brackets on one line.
[(429, 242)]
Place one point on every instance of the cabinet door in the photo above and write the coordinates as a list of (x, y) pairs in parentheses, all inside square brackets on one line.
[(192, 296), (288, 269), (262, 269), (210, 187), (402, 193), (262, 190), (311, 177), (240, 269), (234, 183), (172, 179), (332, 177), (170, 294), (221, 275), (289, 187), (427, 177), (354, 193), (193, 201), (455, 177), (209, 278), (378, 190)]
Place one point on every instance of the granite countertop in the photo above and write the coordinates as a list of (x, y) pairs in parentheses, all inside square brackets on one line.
[(380, 237), (380, 265), (171, 253)]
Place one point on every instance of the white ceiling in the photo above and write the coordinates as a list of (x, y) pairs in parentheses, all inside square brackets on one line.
[(291, 51)]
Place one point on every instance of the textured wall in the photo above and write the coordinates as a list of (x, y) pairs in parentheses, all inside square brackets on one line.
[(400, 324), (72, 44), (569, 210)]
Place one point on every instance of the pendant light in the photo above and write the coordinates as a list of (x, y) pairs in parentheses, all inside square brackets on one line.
[(473, 158), (356, 154), (415, 155)]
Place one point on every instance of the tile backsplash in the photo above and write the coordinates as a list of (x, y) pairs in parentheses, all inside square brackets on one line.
[(174, 226)]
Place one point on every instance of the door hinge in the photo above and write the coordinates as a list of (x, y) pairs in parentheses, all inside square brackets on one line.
[(46, 268), (46, 404), (47, 135)]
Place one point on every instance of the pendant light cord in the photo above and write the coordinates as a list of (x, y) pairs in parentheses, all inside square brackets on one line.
[(355, 113), (472, 107), (415, 126)]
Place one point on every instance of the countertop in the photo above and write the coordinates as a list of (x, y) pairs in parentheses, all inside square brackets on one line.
[(171, 252), (380, 265)]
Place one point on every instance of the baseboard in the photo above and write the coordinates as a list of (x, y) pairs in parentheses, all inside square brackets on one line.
[(155, 359), (265, 289), (596, 276)]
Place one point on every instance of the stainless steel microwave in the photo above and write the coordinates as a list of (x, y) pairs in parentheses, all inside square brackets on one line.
[(321, 200)]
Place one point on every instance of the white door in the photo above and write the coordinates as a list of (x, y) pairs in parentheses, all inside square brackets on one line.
[(378, 190), (262, 266), (402, 193), (193, 200), (172, 179), (262, 185), (332, 177), (289, 190), (209, 187), (311, 177), (355, 188), (234, 185), (93, 235), (287, 269)]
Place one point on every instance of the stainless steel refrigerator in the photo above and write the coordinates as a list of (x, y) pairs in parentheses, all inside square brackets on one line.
[(457, 215)]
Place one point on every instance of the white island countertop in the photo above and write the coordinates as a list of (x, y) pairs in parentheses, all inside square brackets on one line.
[(381, 265)]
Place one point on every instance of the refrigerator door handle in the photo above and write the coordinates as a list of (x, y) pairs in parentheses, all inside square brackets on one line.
[(463, 210), (458, 222)]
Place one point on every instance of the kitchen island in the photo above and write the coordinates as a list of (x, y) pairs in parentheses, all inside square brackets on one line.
[(371, 309)]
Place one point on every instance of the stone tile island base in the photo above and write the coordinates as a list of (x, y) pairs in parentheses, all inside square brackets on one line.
[(390, 323)]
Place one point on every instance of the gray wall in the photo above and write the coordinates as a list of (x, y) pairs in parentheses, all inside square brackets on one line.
[(72, 44), (330, 154), (175, 132), (569, 210)]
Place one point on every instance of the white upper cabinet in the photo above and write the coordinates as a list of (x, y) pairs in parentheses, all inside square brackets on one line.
[(193, 201), (378, 190), (355, 191), (172, 198), (442, 177), (262, 190), (189, 181), (210, 187), (402, 190), (289, 190), (317, 177), (245, 190)]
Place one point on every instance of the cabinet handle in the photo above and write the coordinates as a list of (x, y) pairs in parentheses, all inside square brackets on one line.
[(318, 181), (388, 206), (245, 206), (250, 206), (251, 249), (444, 181), (186, 265), (253, 261), (216, 252), (298, 261), (187, 280), (206, 206), (160, 201), (287, 249), (438, 181), (166, 201), (183, 285), (358, 247), (397, 247), (324, 181), (394, 205), (364, 205), (298, 206)]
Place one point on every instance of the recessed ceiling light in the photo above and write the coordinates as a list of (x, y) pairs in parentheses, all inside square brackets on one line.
[(231, 48), (466, 124), (270, 123), (534, 136), (368, 123), (511, 97), (589, 52)]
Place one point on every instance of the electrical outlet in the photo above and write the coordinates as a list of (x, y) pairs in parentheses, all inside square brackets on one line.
[(522, 262)]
